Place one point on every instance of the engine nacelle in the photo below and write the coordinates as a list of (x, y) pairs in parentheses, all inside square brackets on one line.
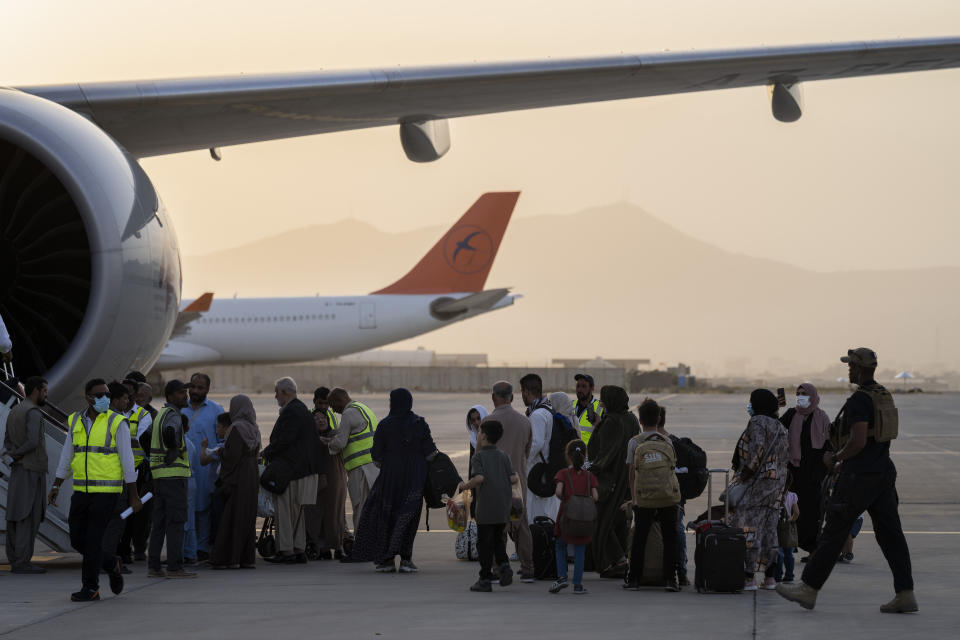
[(89, 263)]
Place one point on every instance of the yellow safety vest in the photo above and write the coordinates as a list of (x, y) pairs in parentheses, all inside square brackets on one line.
[(332, 418), (134, 420), (96, 463), (179, 468), (360, 445), (586, 427)]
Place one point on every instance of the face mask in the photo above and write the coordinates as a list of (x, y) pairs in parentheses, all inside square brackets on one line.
[(750, 409), (803, 402), (101, 404)]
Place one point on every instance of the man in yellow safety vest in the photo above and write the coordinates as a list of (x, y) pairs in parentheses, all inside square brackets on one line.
[(354, 438), (98, 455), (587, 409)]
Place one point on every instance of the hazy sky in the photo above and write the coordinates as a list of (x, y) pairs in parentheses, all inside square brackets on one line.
[(872, 163)]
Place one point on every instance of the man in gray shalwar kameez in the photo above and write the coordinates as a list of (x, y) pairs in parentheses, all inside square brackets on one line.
[(24, 441)]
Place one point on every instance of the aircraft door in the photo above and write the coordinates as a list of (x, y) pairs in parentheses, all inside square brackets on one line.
[(368, 315)]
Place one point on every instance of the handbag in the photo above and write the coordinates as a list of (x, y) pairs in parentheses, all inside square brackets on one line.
[(579, 512), (737, 490), (787, 531), (277, 476)]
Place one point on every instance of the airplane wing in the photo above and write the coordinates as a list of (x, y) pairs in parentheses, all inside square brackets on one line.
[(190, 313), (169, 116)]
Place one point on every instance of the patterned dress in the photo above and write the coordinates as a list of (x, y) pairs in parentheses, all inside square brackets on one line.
[(759, 511)]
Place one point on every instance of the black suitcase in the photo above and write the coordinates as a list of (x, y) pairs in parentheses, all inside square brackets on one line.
[(544, 549), (720, 552)]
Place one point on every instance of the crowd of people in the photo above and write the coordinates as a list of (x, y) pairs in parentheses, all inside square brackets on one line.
[(604, 476)]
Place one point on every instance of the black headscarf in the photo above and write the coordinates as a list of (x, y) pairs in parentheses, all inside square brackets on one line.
[(615, 399), (401, 402), (764, 403)]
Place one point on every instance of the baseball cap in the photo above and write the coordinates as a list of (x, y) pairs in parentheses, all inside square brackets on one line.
[(584, 376), (173, 386), (861, 356)]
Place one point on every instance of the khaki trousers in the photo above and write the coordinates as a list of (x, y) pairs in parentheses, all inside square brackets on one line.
[(291, 528)]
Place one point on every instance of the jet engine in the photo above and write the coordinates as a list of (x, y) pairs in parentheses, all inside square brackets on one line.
[(89, 264)]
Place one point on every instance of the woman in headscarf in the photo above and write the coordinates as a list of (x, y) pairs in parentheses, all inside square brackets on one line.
[(808, 428), (402, 444), (762, 469), (239, 481), (474, 417), (326, 520), (563, 405), (606, 452)]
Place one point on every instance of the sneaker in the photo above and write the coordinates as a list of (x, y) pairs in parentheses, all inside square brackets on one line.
[(672, 586), (505, 575), (750, 585), (407, 566), (26, 569), (579, 589), (386, 567), (803, 594), (116, 579), (85, 595), (182, 573), (903, 602), (156, 574), (847, 558), (482, 586), (769, 584), (527, 578), (559, 585), (631, 586)]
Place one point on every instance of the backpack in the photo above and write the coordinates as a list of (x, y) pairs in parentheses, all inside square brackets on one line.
[(540, 479), (689, 455), (442, 478), (656, 481), (579, 512)]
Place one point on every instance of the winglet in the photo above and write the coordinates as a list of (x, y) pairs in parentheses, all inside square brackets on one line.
[(461, 260), (201, 304)]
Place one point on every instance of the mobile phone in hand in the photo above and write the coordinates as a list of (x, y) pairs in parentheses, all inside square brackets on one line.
[(781, 397)]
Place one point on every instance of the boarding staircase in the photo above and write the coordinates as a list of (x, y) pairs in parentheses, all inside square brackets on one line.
[(54, 530)]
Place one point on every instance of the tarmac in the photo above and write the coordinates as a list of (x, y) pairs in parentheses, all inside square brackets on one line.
[(327, 598)]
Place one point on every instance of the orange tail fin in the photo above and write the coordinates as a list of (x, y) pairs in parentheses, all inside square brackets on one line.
[(461, 260)]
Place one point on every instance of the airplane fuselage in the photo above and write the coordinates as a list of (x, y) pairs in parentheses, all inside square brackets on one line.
[(268, 330)]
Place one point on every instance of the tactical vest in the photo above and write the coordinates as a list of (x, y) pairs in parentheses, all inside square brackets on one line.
[(586, 426), (96, 463), (179, 468), (359, 445), (134, 420), (886, 418)]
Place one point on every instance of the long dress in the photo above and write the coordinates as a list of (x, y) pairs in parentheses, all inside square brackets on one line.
[(390, 517), (759, 509), (807, 484), (326, 519), (607, 453), (240, 480)]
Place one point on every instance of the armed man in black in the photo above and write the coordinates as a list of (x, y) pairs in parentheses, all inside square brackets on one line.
[(865, 481)]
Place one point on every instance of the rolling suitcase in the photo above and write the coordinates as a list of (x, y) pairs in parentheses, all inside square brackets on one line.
[(720, 552), (544, 553)]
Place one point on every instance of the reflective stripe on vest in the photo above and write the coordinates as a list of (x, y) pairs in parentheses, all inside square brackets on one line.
[(134, 420), (586, 427), (331, 419), (179, 468), (96, 464), (360, 445)]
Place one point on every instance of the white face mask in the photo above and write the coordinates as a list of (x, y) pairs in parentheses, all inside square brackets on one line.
[(803, 402)]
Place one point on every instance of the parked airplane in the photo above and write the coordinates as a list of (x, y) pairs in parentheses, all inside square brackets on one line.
[(446, 286), (89, 264)]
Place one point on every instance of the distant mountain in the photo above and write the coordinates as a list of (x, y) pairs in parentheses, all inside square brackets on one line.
[(618, 282)]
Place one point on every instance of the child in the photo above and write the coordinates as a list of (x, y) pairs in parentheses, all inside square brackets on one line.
[(491, 474), (785, 562), (573, 480)]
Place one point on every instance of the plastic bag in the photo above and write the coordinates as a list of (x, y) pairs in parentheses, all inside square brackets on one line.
[(266, 501), (516, 503), (458, 511)]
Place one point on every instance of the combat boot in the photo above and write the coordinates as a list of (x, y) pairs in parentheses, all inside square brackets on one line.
[(903, 602), (801, 593)]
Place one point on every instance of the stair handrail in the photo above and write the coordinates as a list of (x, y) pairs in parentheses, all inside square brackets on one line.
[(58, 422)]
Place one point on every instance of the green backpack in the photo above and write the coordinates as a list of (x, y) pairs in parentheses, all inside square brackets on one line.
[(654, 462)]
